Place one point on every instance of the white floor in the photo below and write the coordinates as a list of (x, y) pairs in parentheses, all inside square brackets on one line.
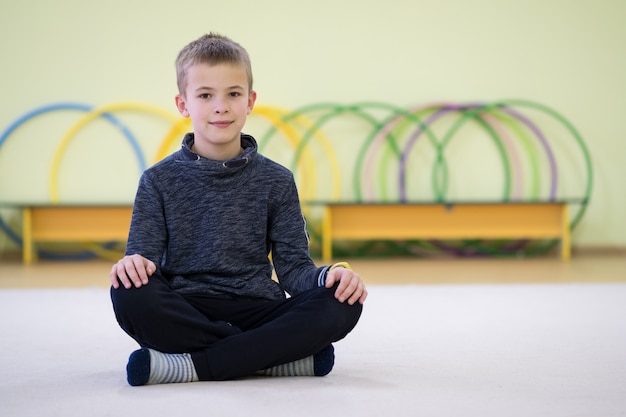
[(419, 350)]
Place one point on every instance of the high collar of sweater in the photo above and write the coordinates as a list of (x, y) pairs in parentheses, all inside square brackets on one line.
[(248, 144)]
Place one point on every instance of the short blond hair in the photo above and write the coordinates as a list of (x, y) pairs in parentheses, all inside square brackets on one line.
[(211, 49)]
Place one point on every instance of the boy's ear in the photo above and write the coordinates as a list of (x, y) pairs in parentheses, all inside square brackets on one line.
[(181, 105), (251, 100)]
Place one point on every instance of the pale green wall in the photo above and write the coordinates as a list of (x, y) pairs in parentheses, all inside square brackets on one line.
[(567, 54)]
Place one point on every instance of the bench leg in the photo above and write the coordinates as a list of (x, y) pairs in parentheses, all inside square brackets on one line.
[(565, 235), (327, 239), (27, 236)]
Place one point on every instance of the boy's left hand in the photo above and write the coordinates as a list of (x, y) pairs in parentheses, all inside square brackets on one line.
[(350, 288)]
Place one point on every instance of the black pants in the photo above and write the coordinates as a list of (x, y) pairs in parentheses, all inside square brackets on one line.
[(230, 338)]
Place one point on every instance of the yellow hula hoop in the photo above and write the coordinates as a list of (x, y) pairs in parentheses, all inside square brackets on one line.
[(123, 106), (179, 128)]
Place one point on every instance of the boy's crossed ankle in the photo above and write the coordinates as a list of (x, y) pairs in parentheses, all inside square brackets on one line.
[(148, 366), (319, 364)]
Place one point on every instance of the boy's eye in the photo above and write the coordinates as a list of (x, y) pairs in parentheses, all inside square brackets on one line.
[(205, 95), (235, 94)]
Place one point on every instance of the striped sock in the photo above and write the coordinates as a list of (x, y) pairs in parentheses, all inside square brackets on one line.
[(147, 366), (319, 364)]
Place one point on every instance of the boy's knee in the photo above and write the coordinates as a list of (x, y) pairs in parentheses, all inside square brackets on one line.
[(149, 292), (132, 304), (122, 297), (344, 316)]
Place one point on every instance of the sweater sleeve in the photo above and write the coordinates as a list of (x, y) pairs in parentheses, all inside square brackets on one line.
[(294, 267), (148, 229)]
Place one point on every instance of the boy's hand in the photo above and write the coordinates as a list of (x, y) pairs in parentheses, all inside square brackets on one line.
[(131, 270), (350, 288)]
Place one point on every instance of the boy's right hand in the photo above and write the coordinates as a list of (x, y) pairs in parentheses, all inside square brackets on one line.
[(131, 270)]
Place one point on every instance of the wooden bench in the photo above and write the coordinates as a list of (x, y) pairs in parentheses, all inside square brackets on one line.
[(390, 221), (349, 221), (75, 223)]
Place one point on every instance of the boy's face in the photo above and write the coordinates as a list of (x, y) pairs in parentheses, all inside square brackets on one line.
[(218, 101)]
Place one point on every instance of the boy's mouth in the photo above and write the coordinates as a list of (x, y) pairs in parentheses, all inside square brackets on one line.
[(221, 124)]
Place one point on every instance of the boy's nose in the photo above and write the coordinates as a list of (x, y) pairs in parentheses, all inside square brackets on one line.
[(220, 107)]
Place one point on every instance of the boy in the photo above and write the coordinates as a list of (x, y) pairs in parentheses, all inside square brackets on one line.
[(195, 288)]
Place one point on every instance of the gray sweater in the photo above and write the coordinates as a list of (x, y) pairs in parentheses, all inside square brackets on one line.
[(209, 226)]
